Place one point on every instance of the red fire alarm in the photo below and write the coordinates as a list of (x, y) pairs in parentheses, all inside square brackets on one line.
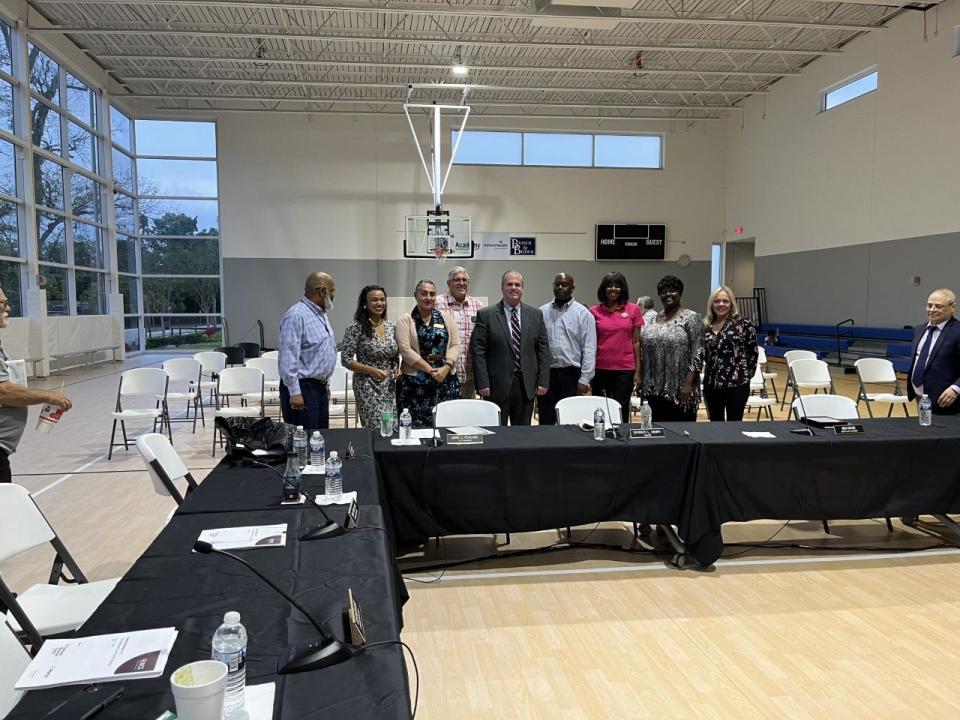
[(738, 229)]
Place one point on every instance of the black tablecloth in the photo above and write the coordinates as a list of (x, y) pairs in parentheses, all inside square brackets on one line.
[(170, 586), (257, 488), (896, 467), (533, 478)]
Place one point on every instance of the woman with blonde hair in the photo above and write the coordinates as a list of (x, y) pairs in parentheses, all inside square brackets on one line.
[(729, 356)]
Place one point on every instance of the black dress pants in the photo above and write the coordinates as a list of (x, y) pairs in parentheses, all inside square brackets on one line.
[(665, 410), (726, 403), (517, 407), (563, 384), (618, 385)]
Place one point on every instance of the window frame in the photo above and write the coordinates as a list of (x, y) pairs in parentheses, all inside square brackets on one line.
[(849, 80)]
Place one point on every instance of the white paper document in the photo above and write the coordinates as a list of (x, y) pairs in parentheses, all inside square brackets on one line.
[(470, 430), (342, 499), (101, 658), (762, 434), (236, 538), (259, 702), (424, 433), (411, 441)]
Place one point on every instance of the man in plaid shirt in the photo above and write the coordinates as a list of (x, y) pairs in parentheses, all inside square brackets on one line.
[(463, 309)]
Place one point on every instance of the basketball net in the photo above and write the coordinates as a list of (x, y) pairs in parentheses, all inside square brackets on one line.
[(440, 253)]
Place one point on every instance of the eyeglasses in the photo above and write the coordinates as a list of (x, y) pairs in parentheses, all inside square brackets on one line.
[(4, 304)]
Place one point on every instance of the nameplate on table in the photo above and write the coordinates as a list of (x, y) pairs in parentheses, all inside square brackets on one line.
[(848, 429), (358, 634), (353, 514), (640, 434), (464, 439)]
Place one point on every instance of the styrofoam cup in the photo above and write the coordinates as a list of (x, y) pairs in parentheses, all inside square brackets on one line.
[(198, 689), (49, 416)]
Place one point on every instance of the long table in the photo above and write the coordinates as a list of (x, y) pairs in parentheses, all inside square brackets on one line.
[(696, 477), (171, 586)]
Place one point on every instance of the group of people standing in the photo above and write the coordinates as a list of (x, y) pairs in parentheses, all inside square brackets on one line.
[(449, 346)]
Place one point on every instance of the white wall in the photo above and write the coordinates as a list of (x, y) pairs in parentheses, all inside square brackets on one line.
[(302, 186), (882, 167)]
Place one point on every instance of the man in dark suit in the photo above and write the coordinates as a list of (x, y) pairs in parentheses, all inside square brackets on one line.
[(935, 370), (511, 353)]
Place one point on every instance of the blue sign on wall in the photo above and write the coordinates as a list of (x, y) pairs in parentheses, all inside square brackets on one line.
[(524, 246)]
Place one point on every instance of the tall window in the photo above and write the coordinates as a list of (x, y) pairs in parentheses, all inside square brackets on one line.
[(12, 262), (178, 231), (68, 188), (125, 215)]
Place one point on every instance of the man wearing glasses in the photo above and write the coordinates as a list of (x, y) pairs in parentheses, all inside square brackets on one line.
[(307, 355), (463, 309), (14, 400)]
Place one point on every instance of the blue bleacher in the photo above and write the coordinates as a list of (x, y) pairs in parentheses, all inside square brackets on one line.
[(853, 332), (800, 342), (822, 339)]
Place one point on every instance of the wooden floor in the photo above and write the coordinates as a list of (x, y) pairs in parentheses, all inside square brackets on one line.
[(586, 633)]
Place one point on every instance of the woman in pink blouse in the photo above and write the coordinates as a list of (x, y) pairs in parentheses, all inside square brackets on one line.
[(618, 341)]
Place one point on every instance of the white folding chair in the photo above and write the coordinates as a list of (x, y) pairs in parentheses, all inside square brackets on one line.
[(165, 466), (271, 354), (808, 374), (759, 402), (271, 380), (241, 382), (838, 407), (460, 413), (14, 659), (762, 362), (572, 410), (790, 355), (185, 377), (341, 393), (140, 383), (44, 609), (211, 362), (879, 371)]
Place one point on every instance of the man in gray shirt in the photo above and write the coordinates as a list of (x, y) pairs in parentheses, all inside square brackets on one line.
[(14, 400), (572, 332)]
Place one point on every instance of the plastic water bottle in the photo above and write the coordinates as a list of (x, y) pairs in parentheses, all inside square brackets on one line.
[(646, 416), (334, 482), (318, 450), (406, 425), (230, 648), (926, 411), (599, 431), (300, 445), (386, 417)]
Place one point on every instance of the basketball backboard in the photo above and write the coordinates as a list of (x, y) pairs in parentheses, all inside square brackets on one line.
[(424, 234)]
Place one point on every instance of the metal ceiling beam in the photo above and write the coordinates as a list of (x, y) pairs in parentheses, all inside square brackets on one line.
[(615, 44), (192, 111), (401, 101), (461, 11), (403, 86), (624, 70)]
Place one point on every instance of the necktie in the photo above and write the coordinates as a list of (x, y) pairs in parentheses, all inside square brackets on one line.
[(515, 337), (921, 366)]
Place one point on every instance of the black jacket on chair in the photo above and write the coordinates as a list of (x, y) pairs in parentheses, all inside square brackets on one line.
[(490, 349), (943, 365)]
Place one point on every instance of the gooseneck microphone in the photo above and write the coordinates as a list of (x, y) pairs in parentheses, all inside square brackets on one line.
[(615, 427), (317, 532), (311, 655)]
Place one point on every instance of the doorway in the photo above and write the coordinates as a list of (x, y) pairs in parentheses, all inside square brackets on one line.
[(738, 268)]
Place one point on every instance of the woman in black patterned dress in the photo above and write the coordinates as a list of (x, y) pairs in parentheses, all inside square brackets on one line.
[(369, 349), (730, 357), (429, 347)]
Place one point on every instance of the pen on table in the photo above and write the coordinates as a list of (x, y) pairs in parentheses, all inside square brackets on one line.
[(687, 433)]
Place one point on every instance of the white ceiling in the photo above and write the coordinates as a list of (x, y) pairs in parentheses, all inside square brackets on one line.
[(656, 58)]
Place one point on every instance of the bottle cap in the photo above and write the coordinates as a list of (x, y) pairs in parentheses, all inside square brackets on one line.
[(333, 455), (316, 433), (231, 618), (299, 427)]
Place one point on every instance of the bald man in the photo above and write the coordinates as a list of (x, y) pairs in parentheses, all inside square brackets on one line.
[(308, 352), (572, 333), (935, 370)]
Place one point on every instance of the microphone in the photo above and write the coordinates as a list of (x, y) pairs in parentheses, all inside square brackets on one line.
[(311, 655), (615, 427), (318, 532), (807, 430)]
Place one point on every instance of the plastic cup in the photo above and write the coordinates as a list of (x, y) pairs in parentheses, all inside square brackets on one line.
[(49, 416), (198, 689)]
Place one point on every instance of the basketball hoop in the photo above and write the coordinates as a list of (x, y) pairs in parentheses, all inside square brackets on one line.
[(440, 252)]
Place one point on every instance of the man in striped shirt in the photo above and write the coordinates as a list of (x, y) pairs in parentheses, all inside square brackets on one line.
[(463, 309), (307, 354)]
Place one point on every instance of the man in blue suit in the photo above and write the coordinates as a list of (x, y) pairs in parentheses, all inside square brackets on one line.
[(935, 370)]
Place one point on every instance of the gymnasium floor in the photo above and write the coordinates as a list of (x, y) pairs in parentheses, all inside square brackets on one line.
[(585, 633)]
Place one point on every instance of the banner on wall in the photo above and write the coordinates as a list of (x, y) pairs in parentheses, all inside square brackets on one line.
[(504, 246)]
